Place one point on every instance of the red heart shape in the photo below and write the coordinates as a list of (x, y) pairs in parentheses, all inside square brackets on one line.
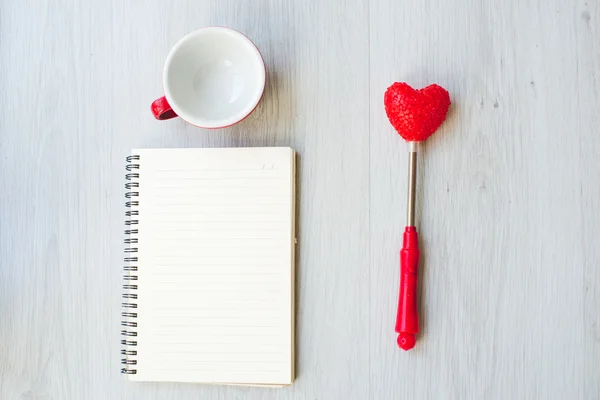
[(416, 113)]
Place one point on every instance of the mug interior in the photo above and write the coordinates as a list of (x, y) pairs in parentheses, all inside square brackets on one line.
[(214, 77)]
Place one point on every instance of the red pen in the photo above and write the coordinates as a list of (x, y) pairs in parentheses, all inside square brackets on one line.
[(415, 114)]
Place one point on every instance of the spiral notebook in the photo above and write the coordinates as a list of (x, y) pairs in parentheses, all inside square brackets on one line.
[(209, 274)]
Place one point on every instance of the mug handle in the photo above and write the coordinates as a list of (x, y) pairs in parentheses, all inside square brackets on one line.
[(161, 109)]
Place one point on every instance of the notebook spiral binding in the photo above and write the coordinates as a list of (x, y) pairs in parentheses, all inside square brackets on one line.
[(129, 304)]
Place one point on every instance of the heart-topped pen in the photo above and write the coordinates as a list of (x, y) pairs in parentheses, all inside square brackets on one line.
[(415, 114)]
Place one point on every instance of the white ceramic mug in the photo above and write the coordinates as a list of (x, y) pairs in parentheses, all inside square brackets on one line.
[(213, 78)]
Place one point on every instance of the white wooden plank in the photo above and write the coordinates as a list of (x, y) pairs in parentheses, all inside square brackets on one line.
[(79, 80), (505, 201)]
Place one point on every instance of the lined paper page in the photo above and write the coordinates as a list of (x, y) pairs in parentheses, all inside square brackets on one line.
[(215, 298)]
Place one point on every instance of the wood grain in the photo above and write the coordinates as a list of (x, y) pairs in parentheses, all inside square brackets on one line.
[(508, 209)]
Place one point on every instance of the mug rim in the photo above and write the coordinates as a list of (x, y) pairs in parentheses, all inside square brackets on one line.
[(229, 122)]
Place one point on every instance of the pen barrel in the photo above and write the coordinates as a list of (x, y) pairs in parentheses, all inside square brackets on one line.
[(407, 320)]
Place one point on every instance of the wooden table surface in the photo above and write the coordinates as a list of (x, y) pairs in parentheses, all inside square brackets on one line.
[(508, 200)]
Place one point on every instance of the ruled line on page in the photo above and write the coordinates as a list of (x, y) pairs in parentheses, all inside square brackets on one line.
[(215, 169), (253, 370), (265, 178), (240, 351)]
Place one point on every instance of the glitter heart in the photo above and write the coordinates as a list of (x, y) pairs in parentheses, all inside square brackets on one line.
[(416, 113)]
